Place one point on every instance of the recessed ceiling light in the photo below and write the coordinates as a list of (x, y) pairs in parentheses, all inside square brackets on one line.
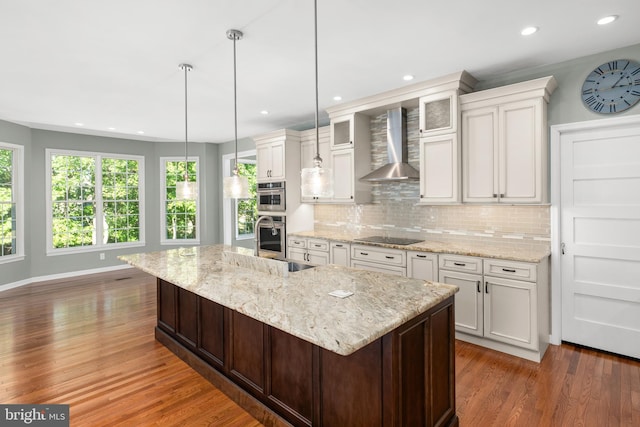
[(264, 112), (607, 19), (337, 98), (79, 124), (140, 132), (407, 77), (112, 128), (529, 30)]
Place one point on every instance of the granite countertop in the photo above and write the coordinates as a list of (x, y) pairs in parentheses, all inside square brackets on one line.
[(458, 245), (298, 303)]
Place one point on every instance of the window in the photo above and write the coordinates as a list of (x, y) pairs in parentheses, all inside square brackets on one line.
[(246, 209), (180, 218), (96, 201), (11, 202)]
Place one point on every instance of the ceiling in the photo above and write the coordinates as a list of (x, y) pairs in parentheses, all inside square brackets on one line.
[(112, 65)]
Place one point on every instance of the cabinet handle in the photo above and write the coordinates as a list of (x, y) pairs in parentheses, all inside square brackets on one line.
[(460, 264), (364, 253), (338, 246), (495, 195), (509, 270), (296, 242), (317, 245), (389, 257), (486, 287), (421, 256), (478, 286), (502, 196), (350, 142)]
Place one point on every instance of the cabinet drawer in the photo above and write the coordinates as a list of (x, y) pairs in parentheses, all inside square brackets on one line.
[(379, 255), (462, 263), (380, 268), (318, 245), (510, 269), (297, 242)]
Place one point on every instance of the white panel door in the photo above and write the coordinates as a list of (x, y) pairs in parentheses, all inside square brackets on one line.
[(600, 229)]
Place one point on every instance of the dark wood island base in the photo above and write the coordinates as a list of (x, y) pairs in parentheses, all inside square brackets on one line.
[(404, 378)]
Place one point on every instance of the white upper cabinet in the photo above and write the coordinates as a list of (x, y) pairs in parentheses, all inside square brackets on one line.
[(349, 130), (440, 169), (278, 156), (438, 113), (504, 143)]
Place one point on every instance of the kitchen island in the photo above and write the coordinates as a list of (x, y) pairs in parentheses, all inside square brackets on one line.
[(289, 352)]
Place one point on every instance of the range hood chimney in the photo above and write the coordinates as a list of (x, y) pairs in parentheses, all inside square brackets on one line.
[(397, 169)]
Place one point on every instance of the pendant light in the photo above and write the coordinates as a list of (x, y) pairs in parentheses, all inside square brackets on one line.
[(316, 181), (186, 190), (235, 186)]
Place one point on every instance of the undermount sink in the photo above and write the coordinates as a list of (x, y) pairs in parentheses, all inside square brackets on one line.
[(297, 266)]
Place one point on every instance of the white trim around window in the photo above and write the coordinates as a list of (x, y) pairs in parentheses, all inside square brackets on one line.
[(17, 192), (98, 245), (163, 202)]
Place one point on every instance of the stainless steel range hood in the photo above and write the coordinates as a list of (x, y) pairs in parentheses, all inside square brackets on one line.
[(397, 169)]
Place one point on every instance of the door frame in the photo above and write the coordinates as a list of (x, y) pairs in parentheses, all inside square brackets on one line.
[(555, 169)]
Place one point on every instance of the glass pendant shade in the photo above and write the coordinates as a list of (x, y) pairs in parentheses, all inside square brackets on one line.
[(236, 187), (186, 190), (316, 182)]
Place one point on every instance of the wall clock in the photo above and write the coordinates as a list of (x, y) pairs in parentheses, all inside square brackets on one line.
[(612, 87)]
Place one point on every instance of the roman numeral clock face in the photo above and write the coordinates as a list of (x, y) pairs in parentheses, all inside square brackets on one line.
[(612, 87)]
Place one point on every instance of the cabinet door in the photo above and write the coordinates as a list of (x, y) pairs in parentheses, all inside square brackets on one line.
[(440, 169), (246, 358), (187, 318), (343, 176), (212, 323), (422, 265), (340, 253), (469, 300), (297, 254), (510, 312), (318, 257), (263, 162), (480, 155), (277, 161), (167, 306), (341, 132), (438, 113), (521, 152)]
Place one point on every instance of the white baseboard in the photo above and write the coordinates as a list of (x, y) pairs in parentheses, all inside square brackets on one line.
[(46, 278)]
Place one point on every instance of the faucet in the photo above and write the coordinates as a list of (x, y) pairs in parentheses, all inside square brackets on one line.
[(256, 230)]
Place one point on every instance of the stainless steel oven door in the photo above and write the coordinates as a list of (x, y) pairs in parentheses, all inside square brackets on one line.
[(273, 238)]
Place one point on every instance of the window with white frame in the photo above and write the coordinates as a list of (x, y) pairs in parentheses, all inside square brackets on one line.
[(95, 201), (180, 219), (11, 202), (247, 209)]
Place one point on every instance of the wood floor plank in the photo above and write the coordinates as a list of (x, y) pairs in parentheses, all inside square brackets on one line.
[(88, 342)]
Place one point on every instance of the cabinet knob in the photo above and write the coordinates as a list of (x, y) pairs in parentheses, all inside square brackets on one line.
[(495, 196)]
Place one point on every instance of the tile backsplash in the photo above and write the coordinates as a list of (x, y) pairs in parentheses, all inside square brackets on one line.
[(394, 210)]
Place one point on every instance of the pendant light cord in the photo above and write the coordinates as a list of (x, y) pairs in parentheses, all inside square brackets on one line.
[(186, 68), (317, 159), (235, 106)]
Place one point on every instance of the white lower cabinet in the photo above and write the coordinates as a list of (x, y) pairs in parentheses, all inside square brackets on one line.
[(383, 260), (312, 251), (422, 265), (340, 253), (500, 304)]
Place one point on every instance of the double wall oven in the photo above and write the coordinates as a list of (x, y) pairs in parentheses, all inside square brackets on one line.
[(272, 201)]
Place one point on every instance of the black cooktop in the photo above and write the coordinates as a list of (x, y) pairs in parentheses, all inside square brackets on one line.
[(389, 240)]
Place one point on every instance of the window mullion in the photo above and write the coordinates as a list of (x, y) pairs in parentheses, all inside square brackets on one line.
[(98, 208)]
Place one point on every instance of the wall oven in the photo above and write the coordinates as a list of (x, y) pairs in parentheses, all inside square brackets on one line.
[(273, 237), (271, 196)]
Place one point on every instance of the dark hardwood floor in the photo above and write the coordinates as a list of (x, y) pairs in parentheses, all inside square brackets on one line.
[(89, 342)]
